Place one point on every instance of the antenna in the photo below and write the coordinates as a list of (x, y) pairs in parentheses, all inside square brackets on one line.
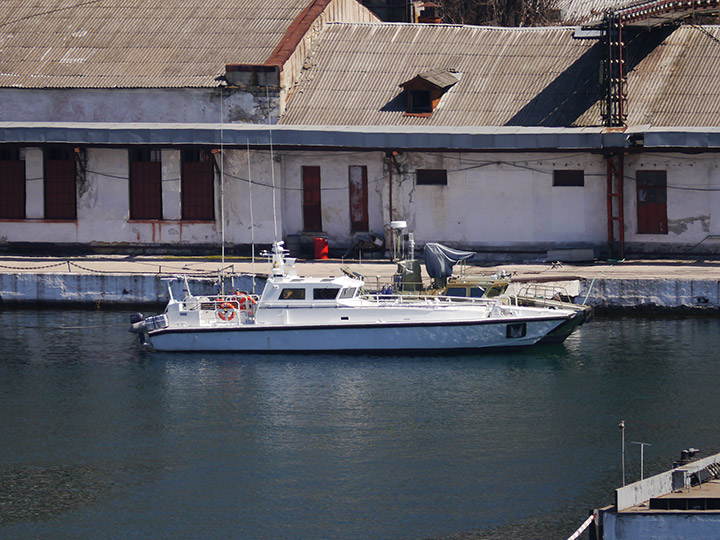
[(642, 456), (621, 425), (272, 163), (222, 195), (252, 221)]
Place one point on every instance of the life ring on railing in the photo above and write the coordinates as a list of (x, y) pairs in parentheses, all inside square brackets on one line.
[(246, 302), (226, 311)]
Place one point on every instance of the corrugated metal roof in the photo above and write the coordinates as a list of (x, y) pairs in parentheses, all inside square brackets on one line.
[(529, 77), (678, 83), (136, 43), (532, 76), (587, 11)]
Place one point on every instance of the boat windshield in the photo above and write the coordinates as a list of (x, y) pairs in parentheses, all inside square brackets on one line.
[(348, 292)]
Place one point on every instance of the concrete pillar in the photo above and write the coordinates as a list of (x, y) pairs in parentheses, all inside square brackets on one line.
[(171, 195), (34, 184)]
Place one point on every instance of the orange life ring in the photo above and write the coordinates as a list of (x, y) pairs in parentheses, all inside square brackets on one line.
[(226, 311), (246, 301)]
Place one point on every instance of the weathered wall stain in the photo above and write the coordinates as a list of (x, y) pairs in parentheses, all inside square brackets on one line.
[(680, 226)]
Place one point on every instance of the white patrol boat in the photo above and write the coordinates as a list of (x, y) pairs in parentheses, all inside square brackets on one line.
[(303, 314)]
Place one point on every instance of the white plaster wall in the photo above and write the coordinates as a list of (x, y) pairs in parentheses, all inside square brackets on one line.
[(34, 187), (103, 204), (693, 198), (171, 183), (502, 200), (239, 171), (335, 196), (133, 105)]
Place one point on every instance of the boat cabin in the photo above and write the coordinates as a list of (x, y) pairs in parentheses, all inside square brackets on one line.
[(301, 291)]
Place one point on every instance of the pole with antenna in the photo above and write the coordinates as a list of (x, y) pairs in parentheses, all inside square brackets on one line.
[(272, 164), (621, 425), (642, 456), (222, 198), (252, 221)]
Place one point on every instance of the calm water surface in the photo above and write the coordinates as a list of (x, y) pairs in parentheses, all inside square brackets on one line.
[(100, 439)]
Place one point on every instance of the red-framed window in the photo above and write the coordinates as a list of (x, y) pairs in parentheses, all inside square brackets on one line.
[(198, 197), (60, 183), (12, 184), (145, 183)]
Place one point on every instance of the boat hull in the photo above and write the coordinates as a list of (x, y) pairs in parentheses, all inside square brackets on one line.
[(433, 336)]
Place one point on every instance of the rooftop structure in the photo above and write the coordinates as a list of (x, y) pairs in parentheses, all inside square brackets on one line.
[(680, 503), (510, 77)]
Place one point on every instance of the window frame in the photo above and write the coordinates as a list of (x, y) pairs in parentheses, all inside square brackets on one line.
[(145, 165), (59, 193), (12, 197), (193, 162), (431, 177), (568, 178)]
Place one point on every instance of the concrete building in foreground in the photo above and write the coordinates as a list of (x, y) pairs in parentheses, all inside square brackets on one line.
[(156, 128), (680, 503)]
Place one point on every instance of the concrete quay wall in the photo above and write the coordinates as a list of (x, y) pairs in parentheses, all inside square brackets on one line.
[(25, 289), (649, 293), (127, 289)]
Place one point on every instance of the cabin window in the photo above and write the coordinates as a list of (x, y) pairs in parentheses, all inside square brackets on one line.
[(568, 178), (12, 184), (477, 292), (292, 294), (348, 293), (459, 292), (325, 294), (431, 177), (145, 183)]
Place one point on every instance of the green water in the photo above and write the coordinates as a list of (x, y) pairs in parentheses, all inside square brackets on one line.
[(100, 439)]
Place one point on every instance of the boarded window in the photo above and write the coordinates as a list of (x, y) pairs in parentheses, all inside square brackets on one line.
[(431, 177), (568, 178), (198, 201), (312, 212), (652, 202), (60, 183), (358, 199), (12, 184), (145, 184)]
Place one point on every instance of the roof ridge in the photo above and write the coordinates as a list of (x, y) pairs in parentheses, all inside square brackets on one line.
[(448, 25)]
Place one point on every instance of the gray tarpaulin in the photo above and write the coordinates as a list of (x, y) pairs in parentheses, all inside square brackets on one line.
[(439, 259)]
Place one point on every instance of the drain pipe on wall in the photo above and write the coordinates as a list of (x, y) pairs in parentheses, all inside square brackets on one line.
[(390, 155)]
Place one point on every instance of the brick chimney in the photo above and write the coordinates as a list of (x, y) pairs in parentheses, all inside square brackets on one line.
[(430, 14)]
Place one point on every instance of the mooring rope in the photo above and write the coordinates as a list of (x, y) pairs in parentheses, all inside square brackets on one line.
[(582, 528)]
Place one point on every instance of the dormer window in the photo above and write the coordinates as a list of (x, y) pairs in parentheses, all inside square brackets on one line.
[(419, 101), (425, 90)]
